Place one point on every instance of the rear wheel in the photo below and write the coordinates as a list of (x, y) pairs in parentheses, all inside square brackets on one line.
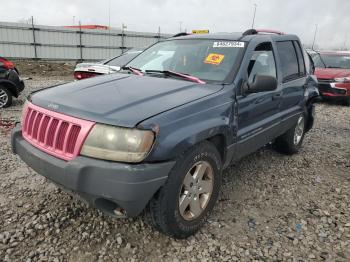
[(5, 97), (181, 206), (291, 141)]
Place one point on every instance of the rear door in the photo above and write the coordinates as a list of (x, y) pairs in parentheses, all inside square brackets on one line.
[(293, 81)]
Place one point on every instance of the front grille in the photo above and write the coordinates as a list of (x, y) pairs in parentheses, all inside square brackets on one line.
[(56, 134), (322, 80), (324, 87)]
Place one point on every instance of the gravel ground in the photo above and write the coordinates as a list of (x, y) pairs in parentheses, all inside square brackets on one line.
[(272, 207)]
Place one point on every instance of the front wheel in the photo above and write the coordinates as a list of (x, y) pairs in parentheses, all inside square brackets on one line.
[(291, 141), (181, 206), (5, 97)]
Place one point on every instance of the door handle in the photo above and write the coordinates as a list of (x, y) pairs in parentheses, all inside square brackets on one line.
[(276, 96)]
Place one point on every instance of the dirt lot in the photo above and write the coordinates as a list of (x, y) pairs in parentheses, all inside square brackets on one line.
[(272, 207), (32, 68)]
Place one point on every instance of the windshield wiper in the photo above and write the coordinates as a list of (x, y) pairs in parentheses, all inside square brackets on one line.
[(173, 73), (134, 70)]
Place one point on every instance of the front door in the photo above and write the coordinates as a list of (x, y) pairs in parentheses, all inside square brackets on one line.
[(258, 114)]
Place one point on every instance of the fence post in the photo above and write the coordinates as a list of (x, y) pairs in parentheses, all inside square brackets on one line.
[(80, 42), (34, 41), (158, 33), (123, 37)]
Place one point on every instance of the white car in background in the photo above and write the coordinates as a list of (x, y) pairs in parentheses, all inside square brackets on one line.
[(110, 66)]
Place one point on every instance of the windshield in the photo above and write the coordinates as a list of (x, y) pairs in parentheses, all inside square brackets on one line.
[(332, 60), (209, 60), (122, 59)]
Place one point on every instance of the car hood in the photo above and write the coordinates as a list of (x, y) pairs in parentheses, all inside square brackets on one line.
[(96, 68), (331, 73), (120, 99)]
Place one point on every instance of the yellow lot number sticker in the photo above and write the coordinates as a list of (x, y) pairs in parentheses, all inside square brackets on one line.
[(214, 59)]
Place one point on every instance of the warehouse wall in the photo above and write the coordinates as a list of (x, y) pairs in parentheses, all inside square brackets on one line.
[(59, 43)]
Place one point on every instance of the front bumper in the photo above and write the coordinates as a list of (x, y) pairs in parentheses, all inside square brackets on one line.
[(105, 185)]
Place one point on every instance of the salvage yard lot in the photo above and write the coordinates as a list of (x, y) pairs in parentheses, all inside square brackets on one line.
[(272, 207)]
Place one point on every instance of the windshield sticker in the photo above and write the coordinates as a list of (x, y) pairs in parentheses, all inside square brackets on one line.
[(214, 59), (229, 44)]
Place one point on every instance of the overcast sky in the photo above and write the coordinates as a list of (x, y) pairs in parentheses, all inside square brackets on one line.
[(292, 16)]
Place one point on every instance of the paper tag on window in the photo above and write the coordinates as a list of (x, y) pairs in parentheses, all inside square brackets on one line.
[(214, 59), (229, 44)]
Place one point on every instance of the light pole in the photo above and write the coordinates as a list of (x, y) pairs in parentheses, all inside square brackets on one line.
[(313, 42), (255, 6), (180, 26)]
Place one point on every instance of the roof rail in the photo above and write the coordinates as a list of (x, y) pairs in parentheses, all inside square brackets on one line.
[(250, 32), (269, 31), (261, 31), (181, 34)]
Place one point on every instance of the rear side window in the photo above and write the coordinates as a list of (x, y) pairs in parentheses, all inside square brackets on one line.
[(289, 60), (302, 70)]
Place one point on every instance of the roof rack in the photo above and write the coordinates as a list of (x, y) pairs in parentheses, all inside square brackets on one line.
[(262, 31)]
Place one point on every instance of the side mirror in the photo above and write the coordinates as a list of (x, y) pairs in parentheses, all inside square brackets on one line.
[(261, 83)]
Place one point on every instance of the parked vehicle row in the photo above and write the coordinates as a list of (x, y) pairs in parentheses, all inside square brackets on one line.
[(110, 66), (333, 74), (10, 83), (167, 124)]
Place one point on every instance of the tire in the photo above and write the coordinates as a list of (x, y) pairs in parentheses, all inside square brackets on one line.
[(5, 97), (290, 142), (347, 102), (166, 214)]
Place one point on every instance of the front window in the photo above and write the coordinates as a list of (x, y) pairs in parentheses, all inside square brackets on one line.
[(262, 62), (208, 60), (332, 60)]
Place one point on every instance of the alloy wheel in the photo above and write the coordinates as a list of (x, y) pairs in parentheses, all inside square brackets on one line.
[(3, 98), (196, 190), (299, 130)]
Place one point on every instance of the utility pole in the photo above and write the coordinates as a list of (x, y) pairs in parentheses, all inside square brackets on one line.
[(73, 19), (313, 42), (180, 26), (344, 45), (255, 6)]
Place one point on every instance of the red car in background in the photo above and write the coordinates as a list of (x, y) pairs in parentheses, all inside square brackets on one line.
[(332, 70)]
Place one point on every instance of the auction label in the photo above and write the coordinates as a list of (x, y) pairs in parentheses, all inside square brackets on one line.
[(214, 59), (229, 44)]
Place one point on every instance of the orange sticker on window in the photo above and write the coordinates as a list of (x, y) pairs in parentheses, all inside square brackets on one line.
[(214, 59)]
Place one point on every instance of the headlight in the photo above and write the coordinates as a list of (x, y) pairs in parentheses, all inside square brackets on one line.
[(342, 79), (117, 143)]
